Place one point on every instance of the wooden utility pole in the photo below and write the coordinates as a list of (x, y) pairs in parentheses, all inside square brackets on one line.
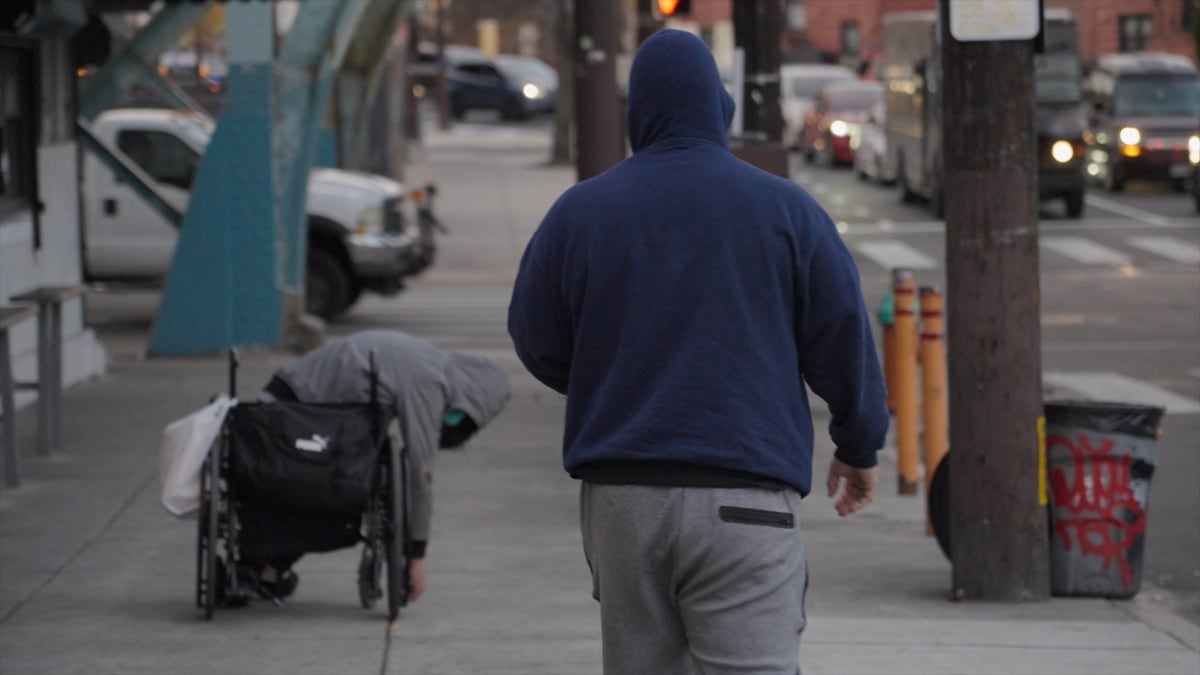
[(999, 545), (647, 23), (599, 139), (561, 151), (756, 26), (443, 76)]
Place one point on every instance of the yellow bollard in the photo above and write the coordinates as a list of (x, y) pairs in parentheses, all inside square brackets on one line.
[(933, 385), (905, 373), (889, 364)]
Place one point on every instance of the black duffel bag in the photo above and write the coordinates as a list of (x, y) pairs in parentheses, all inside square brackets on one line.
[(305, 458)]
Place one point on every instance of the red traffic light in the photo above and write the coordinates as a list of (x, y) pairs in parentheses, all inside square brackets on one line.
[(674, 7)]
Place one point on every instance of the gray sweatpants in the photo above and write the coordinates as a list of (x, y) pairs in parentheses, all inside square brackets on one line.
[(707, 580)]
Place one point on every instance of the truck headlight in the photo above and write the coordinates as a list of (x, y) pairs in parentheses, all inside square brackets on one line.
[(839, 128), (1062, 151), (1194, 149), (1129, 136), (370, 221)]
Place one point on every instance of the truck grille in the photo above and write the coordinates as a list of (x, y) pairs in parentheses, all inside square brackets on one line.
[(393, 221)]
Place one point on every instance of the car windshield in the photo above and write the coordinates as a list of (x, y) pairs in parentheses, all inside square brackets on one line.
[(856, 99), (525, 71), (1056, 78), (531, 68), (1166, 95)]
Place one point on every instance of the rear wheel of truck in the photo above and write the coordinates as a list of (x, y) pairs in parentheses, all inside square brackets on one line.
[(1074, 204), (327, 287), (1114, 181)]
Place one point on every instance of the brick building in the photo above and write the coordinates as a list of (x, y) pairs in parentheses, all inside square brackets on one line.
[(814, 30), (849, 30)]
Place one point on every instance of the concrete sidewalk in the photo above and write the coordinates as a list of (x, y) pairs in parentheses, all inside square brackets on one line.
[(96, 577)]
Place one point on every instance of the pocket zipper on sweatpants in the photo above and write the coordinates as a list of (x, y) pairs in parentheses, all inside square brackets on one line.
[(738, 514)]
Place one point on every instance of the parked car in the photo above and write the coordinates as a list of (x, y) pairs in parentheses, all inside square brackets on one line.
[(838, 112), (481, 84), (798, 87), (538, 80), (364, 234), (870, 147), (1143, 109)]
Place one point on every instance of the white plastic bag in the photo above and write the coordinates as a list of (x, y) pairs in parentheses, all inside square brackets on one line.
[(185, 444)]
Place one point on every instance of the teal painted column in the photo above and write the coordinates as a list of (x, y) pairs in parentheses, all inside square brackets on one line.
[(308, 60), (224, 288)]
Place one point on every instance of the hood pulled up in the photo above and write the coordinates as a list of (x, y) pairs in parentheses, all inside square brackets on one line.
[(676, 93)]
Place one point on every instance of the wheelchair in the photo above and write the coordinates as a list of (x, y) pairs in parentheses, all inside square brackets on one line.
[(250, 512)]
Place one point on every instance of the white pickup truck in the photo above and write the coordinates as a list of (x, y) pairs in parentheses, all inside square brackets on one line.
[(364, 231)]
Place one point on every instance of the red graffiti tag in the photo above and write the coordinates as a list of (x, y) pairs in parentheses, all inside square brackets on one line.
[(1110, 516)]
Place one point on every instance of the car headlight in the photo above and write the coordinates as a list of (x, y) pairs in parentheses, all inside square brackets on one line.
[(370, 221), (531, 91), (1129, 136), (1062, 151), (1194, 149), (839, 128)]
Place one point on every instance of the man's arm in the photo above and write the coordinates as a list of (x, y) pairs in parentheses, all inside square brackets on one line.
[(839, 362), (419, 414), (537, 323)]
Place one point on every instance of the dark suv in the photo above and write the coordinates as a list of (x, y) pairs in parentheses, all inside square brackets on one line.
[(1142, 109), (484, 85)]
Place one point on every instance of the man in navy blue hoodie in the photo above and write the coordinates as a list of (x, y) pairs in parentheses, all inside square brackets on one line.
[(681, 300)]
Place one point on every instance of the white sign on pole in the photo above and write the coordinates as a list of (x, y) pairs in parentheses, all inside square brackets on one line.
[(985, 20)]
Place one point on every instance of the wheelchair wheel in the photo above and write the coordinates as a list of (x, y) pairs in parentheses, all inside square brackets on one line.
[(395, 534), (208, 574), (370, 566)]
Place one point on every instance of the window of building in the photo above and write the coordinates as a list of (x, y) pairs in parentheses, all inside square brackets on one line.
[(797, 15), (1136, 32), (851, 38), (19, 128)]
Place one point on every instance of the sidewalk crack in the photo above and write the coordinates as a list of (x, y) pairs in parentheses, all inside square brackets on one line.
[(82, 549)]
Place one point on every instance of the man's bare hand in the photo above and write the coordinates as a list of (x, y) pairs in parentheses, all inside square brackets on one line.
[(416, 578), (857, 487)]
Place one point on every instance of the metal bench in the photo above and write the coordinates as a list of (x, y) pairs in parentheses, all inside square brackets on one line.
[(9, 317), (49, 301)]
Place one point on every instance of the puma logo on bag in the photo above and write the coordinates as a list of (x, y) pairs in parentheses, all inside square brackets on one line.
[(317, 443)]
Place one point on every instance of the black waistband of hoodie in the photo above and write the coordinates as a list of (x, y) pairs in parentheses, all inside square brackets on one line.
[(281, 390), (672, 474)]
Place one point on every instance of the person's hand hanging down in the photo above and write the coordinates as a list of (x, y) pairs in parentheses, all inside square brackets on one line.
[(857, 487), (416, 578)]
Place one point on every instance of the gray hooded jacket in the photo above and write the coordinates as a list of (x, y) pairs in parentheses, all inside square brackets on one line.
[(418, 381)]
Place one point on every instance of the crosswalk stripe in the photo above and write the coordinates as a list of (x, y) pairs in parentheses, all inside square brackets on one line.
[(1114, 387), (1093, 199), (1085, 251), (1168, 247), (893, 254)]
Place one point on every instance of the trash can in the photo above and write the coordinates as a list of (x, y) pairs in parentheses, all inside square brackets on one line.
[(1100, 459)]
